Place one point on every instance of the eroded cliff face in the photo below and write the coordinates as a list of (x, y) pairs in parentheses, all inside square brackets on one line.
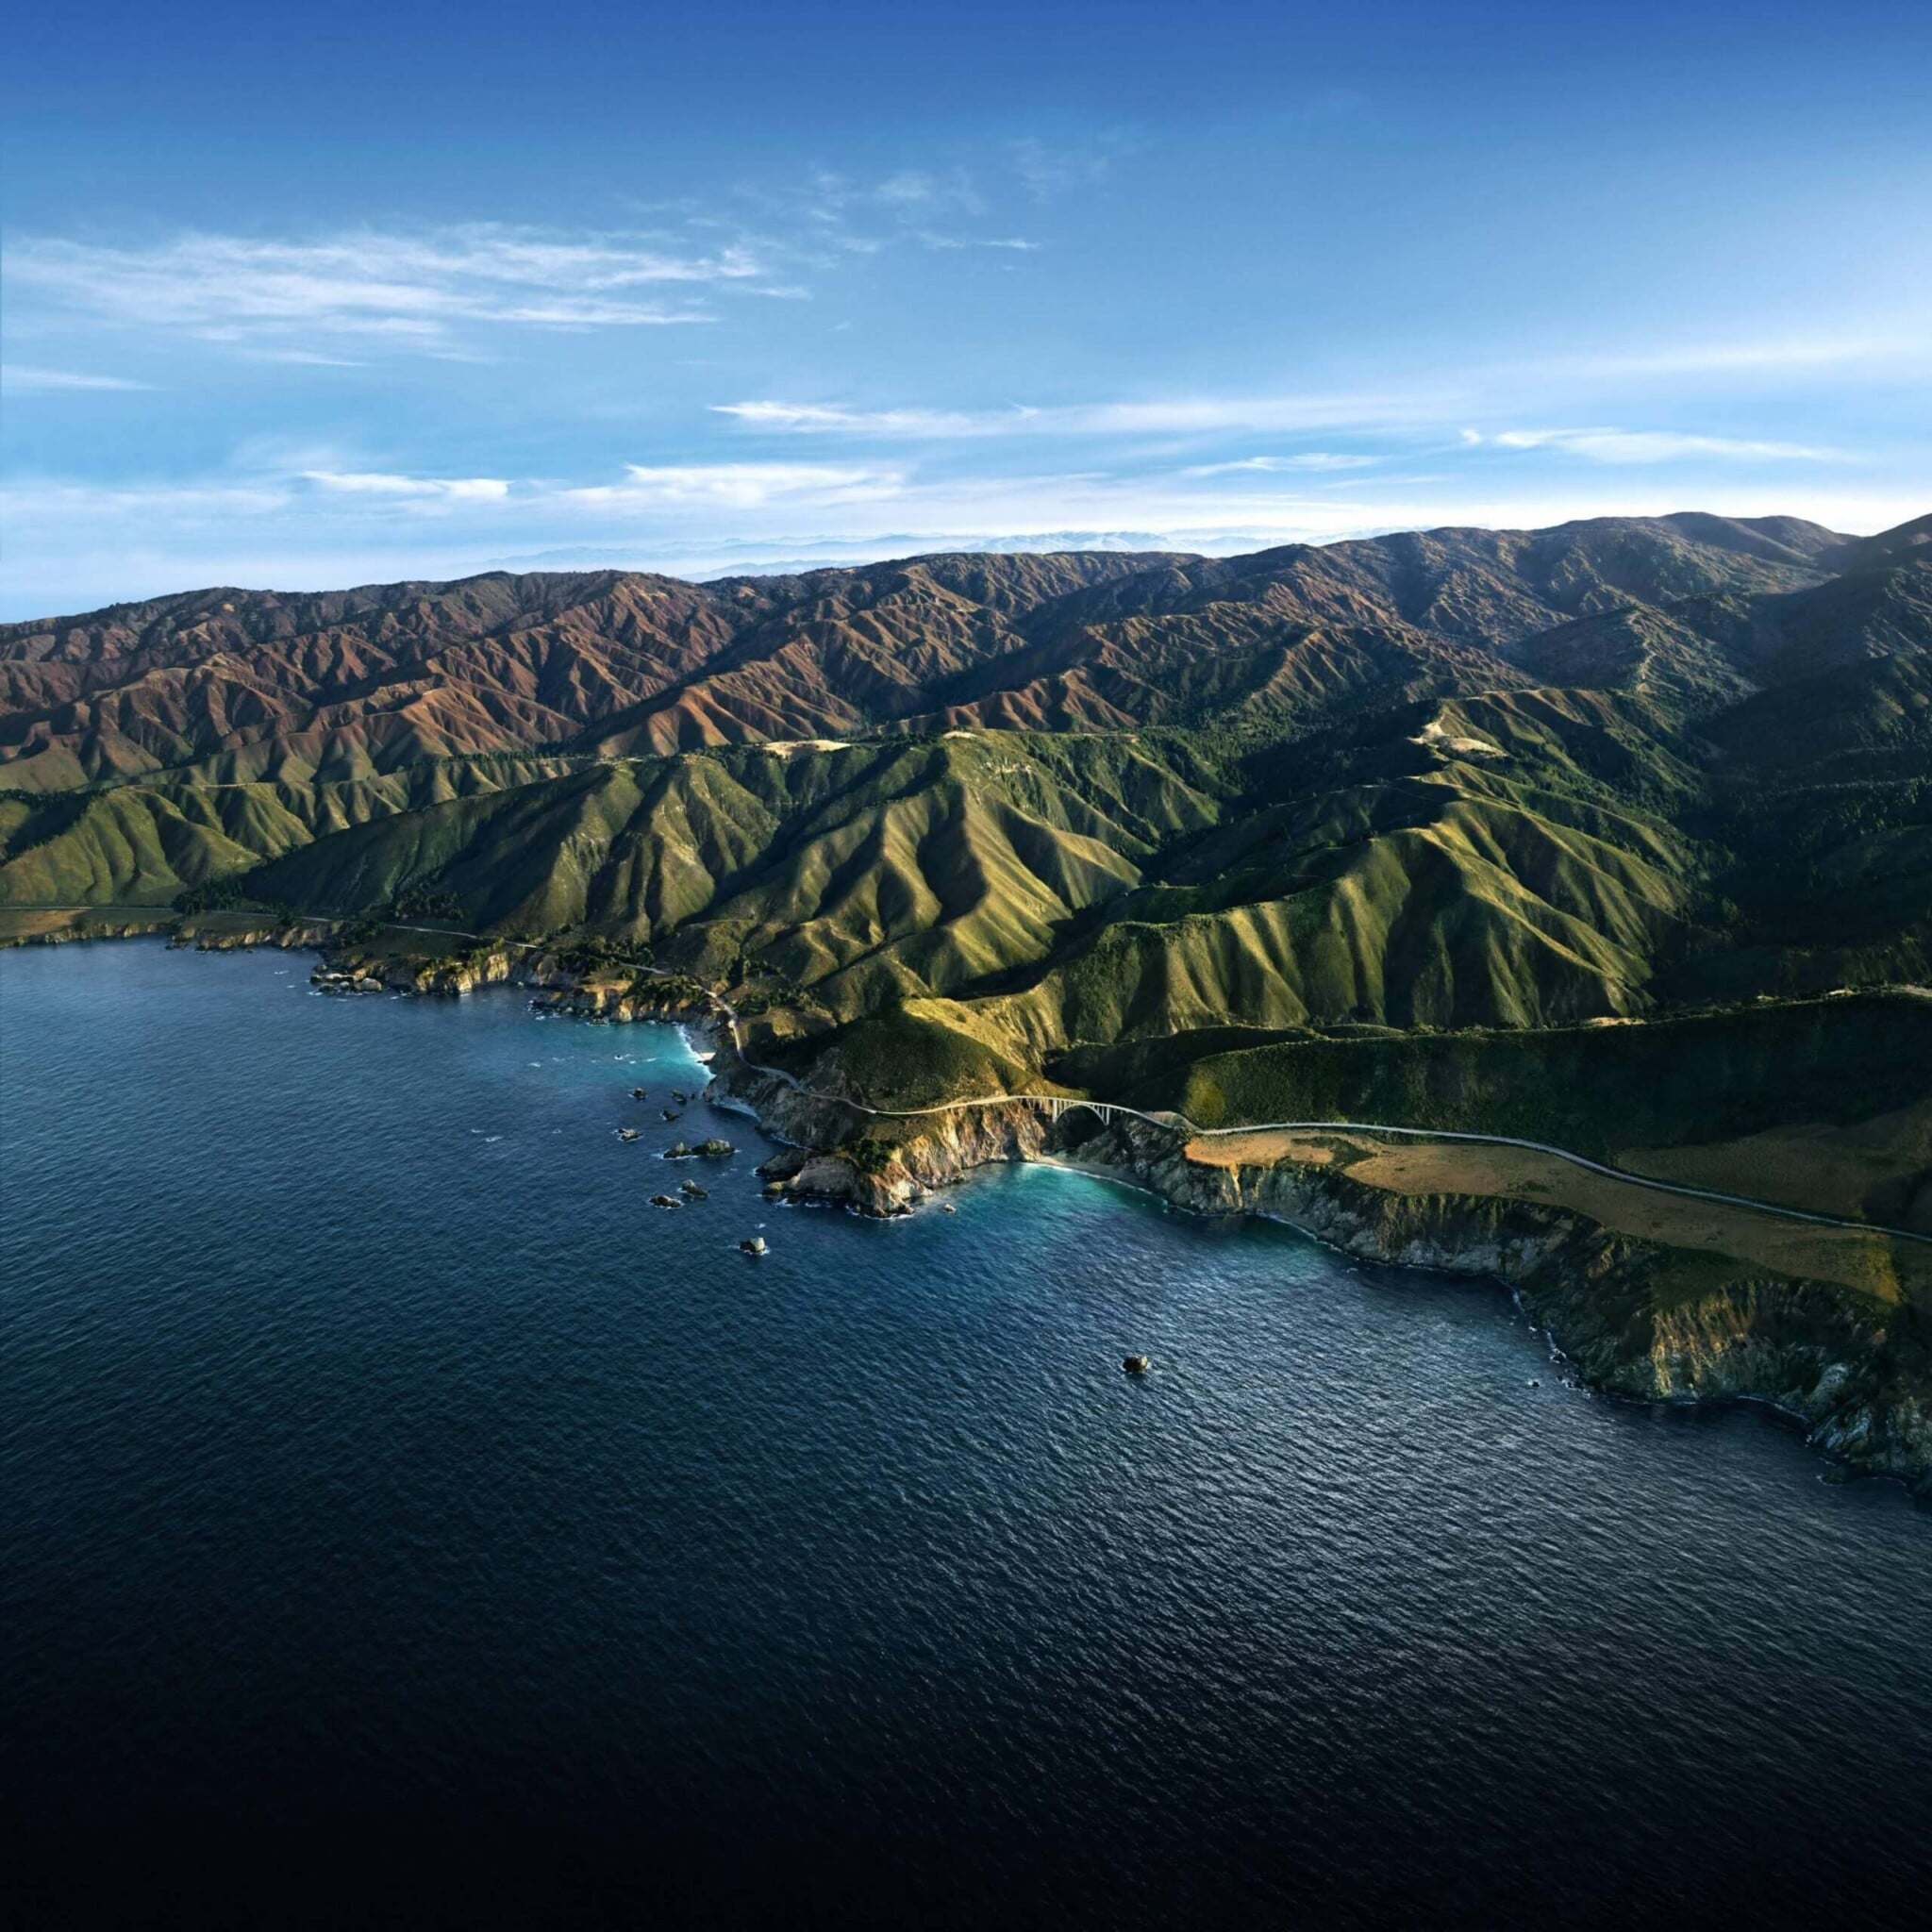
[(1635, 1318), (554, 984), (349, 971), (302, 935), (557, 990), (839, 1155), (92, 926)]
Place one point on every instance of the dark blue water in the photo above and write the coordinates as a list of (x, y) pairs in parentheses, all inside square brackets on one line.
[(400, 1519)]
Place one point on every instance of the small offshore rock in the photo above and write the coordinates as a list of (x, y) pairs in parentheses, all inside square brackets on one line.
[(715, 1149), (753, 1244), (1135, 1364), (666, 1201), (678, 1151), (691, 1191)]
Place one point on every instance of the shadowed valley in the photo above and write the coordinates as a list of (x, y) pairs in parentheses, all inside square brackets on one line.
[(1617, 835)]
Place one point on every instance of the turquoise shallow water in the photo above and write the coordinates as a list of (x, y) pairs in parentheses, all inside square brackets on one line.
[(399, 1516)]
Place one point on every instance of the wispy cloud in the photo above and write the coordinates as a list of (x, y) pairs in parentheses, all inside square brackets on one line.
[(305, 358), (1654, 445), (1048, 172), (18, 379), (1423, 418), (1017, 245), (1270, 466), (833, 418), (31, 503), (1885, 351), (826, 215), (737, 486), (914, 187), (423, 489), (1425, 409), (402, 290), (333, 298), (1158, 416)]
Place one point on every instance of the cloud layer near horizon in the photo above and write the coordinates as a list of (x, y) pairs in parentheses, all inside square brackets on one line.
[(696, 337), (321, 523)]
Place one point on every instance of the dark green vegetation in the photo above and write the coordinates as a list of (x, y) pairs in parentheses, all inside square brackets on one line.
[(1616, 837), (1601, 1091), (1375, 828)]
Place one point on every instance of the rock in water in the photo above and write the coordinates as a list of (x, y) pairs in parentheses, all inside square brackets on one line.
[(1135, 1364), (753, 1244)]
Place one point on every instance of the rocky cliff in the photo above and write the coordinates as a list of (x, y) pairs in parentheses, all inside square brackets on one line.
[(1635, 1318)]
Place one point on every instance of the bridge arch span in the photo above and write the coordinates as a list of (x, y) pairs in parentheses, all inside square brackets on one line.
[(1060, 1107)]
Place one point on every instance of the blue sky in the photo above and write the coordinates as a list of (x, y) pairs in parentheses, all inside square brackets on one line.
[(313, 296)]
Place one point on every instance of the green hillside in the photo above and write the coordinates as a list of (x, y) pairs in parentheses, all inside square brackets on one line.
[(1312, 831), (1600, 1091)]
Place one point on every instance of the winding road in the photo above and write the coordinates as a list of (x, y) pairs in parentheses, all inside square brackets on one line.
[(1173, 1123), (1178, 1123)]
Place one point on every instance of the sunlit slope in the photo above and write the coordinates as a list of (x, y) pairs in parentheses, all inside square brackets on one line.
[(1446, 895), (1429, 925), (853, 874), (143, 843), (1139, 883), (971, 815), (1080, 886)]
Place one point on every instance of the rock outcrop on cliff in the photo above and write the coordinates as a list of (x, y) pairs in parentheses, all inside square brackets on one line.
[(1636, 1318)]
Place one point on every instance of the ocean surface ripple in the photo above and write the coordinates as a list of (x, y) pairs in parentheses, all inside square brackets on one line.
[(387, 1488)]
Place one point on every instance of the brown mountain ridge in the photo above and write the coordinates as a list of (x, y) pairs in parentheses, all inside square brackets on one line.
[(247, 685)]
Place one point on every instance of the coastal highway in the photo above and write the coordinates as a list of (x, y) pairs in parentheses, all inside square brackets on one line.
[(1173, 1123)]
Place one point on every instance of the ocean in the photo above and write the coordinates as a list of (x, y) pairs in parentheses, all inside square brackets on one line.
[(403, 1522)]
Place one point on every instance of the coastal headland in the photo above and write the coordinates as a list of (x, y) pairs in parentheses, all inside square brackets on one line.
[(1553, 904), (1651, 1291)]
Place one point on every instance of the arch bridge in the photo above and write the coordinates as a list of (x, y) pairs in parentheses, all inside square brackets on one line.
[(1057, 1105)]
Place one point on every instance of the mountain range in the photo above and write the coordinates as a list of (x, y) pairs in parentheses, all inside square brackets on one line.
[(1015, 807)]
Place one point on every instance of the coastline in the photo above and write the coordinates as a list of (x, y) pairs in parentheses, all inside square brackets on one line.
[(1800, 1347)]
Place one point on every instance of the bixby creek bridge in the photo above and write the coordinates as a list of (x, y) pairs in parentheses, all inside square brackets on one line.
[(1057, 1105)]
